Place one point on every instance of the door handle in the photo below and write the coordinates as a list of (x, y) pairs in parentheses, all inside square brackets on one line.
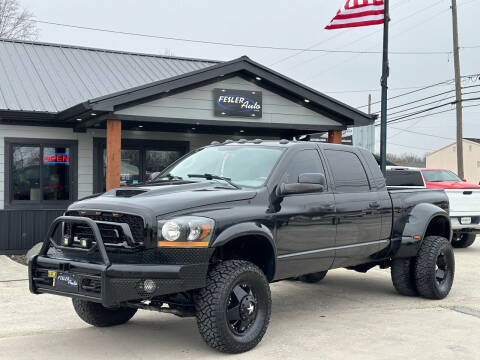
[(374, 205)]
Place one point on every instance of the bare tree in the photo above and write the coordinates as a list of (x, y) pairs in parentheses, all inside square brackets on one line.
[(15, 22)]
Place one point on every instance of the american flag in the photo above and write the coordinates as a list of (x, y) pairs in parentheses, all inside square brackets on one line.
[(358, 13)]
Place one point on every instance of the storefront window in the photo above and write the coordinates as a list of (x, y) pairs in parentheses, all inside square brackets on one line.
[(26, 173), (156, 160), (40, 173), (56, 173), (139, 164)]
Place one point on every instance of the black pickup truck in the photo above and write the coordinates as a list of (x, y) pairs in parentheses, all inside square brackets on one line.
[(208, 235)]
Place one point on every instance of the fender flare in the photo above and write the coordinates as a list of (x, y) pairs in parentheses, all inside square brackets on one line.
[(247, 229), (409, 230)]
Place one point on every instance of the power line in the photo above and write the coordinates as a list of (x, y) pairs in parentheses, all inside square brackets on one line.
[(445, 82), (432, 108), (430, 103), (427, 115), (410, 146), (243, 45), (421, 133)]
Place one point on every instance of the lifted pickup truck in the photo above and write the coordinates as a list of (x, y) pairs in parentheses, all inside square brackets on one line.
[(209, 233), (464, 198)]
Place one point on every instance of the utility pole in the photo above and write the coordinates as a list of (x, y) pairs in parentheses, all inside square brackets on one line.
[(458, 89), (384, 82)]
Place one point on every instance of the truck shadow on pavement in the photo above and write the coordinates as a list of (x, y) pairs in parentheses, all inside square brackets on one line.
[(292, 301)]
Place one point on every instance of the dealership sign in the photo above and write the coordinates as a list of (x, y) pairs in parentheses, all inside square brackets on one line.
[(238, 103)]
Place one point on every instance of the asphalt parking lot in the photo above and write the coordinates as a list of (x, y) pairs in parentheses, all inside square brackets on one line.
[(347, 316)]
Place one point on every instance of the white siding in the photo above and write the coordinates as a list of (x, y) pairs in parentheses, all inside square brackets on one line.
[(197, 104)]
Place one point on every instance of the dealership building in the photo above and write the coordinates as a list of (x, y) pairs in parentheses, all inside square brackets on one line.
[(76, 121)]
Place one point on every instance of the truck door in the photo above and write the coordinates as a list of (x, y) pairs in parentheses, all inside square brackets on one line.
[(305, 222), (359, 220)]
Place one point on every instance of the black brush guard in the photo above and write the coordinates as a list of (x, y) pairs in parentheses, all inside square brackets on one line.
[(110, 284)]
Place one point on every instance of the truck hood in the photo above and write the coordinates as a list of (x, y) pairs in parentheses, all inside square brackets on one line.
[(159, 199), (451, 185)]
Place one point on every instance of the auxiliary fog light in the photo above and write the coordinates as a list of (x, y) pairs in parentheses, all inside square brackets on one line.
[(85, 243), (149, 286), (67, 241)]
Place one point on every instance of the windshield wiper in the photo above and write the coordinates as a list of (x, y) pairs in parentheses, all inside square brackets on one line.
[(214, 177)]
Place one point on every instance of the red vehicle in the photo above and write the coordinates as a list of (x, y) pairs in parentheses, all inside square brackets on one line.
[(445, 179)]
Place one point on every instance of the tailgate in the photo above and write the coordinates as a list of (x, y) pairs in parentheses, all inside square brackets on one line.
[(464, 201)]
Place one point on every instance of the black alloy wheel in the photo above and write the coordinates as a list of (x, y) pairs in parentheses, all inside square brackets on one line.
[(241, 309), (233, 309)]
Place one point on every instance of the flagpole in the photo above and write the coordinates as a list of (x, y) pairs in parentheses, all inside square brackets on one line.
[(384, 83)]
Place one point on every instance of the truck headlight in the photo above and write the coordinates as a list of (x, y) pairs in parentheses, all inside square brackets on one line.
[(185, 231)]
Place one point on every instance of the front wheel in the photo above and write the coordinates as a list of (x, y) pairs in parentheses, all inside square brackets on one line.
[(463, 240), (434, 268), (97, 315), (233, 309)]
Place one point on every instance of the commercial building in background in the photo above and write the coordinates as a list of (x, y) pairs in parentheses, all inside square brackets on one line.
[(446, 158), (67, 113)]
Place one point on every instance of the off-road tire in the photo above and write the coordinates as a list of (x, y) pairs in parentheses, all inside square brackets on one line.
[(462, 241), (97, 315), (426, 268), (313, 277), (403, 276), (212, 301)]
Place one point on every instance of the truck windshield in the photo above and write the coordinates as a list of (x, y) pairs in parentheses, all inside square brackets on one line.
[(440, 175), (244, 165)]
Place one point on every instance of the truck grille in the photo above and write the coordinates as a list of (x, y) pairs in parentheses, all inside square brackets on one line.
[(110, 233)]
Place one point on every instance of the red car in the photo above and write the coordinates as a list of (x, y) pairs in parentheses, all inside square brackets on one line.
[(445, 179)]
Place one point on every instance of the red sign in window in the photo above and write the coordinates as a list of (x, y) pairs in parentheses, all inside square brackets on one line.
[(56, 158)]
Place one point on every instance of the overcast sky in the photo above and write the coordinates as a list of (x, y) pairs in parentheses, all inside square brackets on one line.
[(416, 26)]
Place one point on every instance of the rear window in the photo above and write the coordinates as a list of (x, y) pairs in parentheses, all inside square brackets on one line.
[(440, 175), (404, 178)]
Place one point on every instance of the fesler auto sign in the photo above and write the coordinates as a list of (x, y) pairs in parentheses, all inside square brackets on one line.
[(238, 103)]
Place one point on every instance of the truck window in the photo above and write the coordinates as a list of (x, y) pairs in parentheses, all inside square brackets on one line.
[(348, 172), (404, 178), (303, 162)]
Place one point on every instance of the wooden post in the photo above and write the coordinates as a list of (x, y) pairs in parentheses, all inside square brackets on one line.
[(114, 153), (335, 136)]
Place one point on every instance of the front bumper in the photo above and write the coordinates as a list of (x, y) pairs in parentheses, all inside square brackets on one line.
[(112, 283)]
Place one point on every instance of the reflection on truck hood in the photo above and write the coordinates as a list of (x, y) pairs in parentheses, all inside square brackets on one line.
[(163, 198)]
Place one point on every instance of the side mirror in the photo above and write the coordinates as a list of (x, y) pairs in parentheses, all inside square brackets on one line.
[(312, 178), (307, 183)]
